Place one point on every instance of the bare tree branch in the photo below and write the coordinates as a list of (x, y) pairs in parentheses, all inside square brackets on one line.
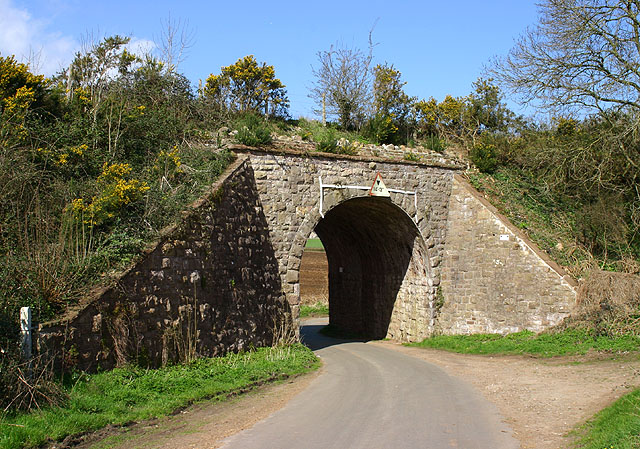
[(176, 38), (582, 54), (344, 79)]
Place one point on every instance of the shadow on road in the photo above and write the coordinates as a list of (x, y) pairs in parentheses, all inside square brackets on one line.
[(314, 340)]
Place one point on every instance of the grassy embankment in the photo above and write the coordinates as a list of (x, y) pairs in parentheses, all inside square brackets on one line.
[(131, 394), (569, 342), (314, 310)]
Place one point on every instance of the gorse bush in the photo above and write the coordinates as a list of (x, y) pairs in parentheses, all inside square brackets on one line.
[(91, 168), (381, 129), (117, 191), (485, 157)]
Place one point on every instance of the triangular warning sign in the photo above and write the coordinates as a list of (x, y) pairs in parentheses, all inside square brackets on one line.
[(378, 188)]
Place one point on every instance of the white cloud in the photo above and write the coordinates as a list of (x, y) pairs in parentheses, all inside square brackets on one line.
[(30, 41), (141, 47)]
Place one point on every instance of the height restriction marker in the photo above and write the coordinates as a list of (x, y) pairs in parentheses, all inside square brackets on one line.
[(378, 188)]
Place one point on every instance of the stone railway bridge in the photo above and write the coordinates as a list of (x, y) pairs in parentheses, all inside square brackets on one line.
[(434, 256)]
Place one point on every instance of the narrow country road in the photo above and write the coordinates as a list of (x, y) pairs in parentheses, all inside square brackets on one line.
[(371, 397)]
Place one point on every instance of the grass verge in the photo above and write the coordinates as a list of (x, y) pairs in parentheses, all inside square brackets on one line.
[(131, 394), (617, 426), (317, 309), (568, 342)]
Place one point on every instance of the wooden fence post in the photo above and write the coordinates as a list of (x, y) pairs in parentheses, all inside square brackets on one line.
[(25, 332)]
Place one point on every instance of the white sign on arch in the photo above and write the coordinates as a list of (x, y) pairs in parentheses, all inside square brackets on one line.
[(378, 188)]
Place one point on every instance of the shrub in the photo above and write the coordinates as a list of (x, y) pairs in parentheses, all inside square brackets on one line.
[(485, 157), (434, 143), (28, 386), (327, 141), (116, 192), (330, 143), (252, 131), (381, 129), (410, 156)]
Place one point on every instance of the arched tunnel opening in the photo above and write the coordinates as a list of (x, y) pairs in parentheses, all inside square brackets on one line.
[(377, 263)]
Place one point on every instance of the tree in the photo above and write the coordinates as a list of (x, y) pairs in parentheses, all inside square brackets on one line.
[(343, 83), (585, 55), (389, 96), (247, 86), (485, 109), (94, 68), (176, 38), (392, 107), (582, 54)]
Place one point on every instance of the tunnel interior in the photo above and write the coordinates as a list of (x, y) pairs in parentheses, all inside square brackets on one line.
[(375, 255)]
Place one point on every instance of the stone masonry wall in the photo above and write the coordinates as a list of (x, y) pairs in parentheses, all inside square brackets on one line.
[(211, 285), (493, 279), (221, 278), (289, 187)]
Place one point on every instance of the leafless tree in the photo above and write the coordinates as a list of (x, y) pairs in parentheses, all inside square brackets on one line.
[(583, 54), (176, 38), (343, 81)]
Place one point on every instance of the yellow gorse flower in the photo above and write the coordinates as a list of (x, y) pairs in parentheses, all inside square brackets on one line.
[(116, 193)]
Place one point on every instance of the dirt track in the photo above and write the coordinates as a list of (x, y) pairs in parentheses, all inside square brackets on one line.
[(541, 399)]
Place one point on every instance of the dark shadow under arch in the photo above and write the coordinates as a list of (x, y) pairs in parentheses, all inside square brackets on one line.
[(375, 252)]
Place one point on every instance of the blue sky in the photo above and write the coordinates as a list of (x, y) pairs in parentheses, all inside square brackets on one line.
[(440, 47)]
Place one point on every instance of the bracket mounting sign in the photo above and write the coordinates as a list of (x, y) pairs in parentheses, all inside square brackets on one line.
[(383, 189)]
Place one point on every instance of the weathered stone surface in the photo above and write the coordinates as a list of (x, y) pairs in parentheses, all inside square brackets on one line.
[(385, 288), (219, 280), (211, 283), (493, 278)]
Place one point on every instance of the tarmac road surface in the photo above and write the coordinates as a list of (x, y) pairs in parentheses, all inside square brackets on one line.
[(370, 397)]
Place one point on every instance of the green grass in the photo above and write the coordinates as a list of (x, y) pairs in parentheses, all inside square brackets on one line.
[(314, 245), (317, 309), (617, 426), (569, 342), (131, 394)]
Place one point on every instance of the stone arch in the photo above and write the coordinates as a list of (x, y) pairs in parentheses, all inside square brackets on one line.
[(380, 280)]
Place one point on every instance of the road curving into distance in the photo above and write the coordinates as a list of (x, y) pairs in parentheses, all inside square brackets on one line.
[(370, 397)]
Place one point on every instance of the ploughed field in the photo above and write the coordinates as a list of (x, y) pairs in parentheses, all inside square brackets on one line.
[(314, 284)]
